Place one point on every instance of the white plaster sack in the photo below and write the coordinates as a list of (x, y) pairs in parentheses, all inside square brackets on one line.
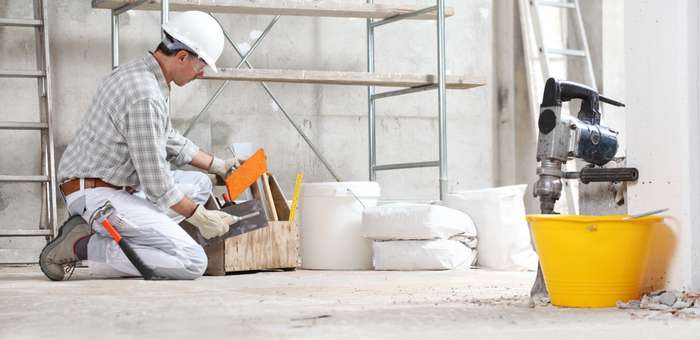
[(499, 216), (422, 255), (330, 225), (415, 222)]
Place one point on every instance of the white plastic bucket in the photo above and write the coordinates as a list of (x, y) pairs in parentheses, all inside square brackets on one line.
[(330, 225)]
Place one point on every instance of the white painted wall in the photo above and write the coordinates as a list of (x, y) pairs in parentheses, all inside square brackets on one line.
[(662, 91)]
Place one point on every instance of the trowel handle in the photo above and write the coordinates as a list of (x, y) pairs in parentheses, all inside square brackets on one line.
[(237, 219)]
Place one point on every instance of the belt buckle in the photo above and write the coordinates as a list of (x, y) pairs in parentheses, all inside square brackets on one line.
[(60, 186), (60, 189)]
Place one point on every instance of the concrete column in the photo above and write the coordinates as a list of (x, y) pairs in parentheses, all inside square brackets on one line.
[(663, 90), (504, 30), (517, 141)]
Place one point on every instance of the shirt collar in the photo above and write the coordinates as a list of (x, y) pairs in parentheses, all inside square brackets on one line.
[(154, 67)]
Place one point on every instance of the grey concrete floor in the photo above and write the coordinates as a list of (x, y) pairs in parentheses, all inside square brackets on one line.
[(474, 304)]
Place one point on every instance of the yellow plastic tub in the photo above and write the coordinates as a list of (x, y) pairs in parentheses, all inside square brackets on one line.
[(592, 261)]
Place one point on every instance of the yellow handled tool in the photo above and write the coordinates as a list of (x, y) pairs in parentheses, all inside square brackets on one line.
[(295, 197)]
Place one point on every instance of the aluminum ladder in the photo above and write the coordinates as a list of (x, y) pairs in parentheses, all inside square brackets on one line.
[(538, 52), (48, 221), (537, 56)]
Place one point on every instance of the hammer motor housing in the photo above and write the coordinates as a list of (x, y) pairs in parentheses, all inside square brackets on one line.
[(564, 137)]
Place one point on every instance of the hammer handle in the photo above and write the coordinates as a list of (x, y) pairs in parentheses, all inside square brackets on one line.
[(144, 270), (111, 230)]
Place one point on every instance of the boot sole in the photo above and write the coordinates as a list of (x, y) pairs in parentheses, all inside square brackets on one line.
[(65, 229)]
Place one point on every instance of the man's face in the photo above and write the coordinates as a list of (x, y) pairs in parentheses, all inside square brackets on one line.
[(189, 68)]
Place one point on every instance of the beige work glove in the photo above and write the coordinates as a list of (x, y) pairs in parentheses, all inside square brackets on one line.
[(211, 223), (221, 167)]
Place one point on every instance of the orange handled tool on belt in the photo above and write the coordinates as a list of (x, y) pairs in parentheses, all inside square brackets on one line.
[(111, 230), (101, 215)]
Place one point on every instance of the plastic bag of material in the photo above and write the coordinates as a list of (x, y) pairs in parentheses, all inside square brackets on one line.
[(422, 255), (414, 222), (499, 216)]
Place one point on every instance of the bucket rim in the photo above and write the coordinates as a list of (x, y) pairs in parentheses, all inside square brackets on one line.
[(362, 189), (593, 219)]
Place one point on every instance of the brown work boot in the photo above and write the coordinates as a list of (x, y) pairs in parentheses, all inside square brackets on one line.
[(58, 256)]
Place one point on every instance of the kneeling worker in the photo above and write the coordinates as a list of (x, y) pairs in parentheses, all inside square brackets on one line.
[(122, 153)]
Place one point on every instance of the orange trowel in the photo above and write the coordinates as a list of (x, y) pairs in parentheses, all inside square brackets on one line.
[(239, 180), (251, 214)]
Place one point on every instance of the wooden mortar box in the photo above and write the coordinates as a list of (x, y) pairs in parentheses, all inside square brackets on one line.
[(273, 247)]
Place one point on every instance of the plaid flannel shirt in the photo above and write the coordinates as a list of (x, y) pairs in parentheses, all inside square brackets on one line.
[(126, 138)]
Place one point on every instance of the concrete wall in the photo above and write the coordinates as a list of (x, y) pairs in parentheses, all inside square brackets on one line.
[(333, 116), (662, 91)]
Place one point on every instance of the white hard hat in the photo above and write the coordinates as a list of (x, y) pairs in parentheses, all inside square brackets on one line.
[(199, 32)]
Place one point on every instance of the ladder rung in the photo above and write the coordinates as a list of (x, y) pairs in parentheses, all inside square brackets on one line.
[(25, 232), (564, 51), (23, 126), (23, 179), (22, 73), (20, 22), (561, 4), (406, 166)]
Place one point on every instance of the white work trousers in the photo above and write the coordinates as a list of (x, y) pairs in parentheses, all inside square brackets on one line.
[(156, 236)]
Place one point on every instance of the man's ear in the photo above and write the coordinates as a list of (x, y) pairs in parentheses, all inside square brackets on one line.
[(181, 55)]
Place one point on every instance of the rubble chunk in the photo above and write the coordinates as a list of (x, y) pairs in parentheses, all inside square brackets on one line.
[(666, 298)]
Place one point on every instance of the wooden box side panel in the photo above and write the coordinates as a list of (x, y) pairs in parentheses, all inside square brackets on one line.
[(272, 247)]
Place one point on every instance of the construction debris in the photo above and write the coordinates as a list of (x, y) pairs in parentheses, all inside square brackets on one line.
[(538, 300), (681, 304)]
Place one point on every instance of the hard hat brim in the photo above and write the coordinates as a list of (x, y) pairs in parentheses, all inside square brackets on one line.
[(181, 38)]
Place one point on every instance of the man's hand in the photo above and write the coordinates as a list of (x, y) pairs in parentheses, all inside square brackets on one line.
[(221, 167), (211, 223)]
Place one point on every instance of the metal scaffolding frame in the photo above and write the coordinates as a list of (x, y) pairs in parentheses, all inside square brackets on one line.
[(371, 97)]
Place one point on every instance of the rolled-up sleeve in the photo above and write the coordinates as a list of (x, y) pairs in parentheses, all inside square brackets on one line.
[(180, 150), (146, 137)]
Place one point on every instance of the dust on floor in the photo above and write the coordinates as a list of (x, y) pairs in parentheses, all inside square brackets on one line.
[(476, 304)]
